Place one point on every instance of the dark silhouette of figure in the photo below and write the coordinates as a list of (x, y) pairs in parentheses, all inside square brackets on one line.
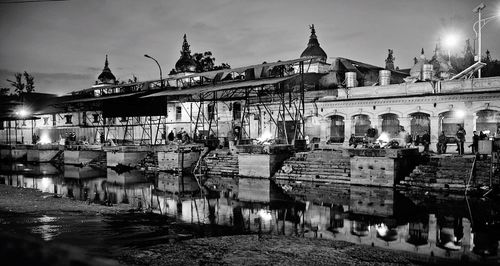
[(460, 139)]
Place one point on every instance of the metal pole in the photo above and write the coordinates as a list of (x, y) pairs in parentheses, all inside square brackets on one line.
[(161, 75), (479, 43)]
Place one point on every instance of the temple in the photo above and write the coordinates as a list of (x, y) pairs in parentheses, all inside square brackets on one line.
[(286, 100)]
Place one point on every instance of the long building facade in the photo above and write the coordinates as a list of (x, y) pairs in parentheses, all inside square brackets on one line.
[(295, 99)]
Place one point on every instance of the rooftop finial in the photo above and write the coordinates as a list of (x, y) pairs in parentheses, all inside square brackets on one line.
[(106, 64), (313, 31), (185, 47)]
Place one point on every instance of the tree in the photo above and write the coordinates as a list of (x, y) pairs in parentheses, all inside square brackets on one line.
[(20, 86), (205, 62), (30, 82), (4, 91), (17, 83)]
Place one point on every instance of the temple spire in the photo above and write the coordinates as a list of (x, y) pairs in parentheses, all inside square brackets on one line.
[(106, 64), (389, 61), (313, 49), (185, 47)]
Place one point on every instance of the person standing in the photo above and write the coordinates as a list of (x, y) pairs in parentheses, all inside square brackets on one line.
[(475, 143), (426, 140), (460, 139)]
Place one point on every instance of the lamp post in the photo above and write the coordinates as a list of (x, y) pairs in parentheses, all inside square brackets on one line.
[(161, 76), (480, 24)]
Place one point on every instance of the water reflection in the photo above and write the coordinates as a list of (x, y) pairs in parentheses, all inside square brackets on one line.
[(429, 226)]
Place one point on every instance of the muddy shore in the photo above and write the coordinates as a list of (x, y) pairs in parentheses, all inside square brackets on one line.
[(223, 250)]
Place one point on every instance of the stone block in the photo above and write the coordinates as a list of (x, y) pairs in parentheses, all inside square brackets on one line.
[(374, 171)]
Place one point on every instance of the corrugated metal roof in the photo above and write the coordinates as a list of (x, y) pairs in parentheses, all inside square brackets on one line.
[(220, 87), (102, 98)]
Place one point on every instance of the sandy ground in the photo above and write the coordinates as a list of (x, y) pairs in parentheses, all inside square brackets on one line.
[(226, 250)]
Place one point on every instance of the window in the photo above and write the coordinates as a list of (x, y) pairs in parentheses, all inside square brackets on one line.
[(178, 113), (68, 119), (450, 121), (24, 123), (96, 118), (211, 111), (54, 121), (361, 125), (420, 123), (390, 124), (337, 129), (45, 121), (312, 127), (488, 120), (236, 110)]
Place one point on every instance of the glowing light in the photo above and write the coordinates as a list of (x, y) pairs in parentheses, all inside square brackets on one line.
[(383, 139), (382, 229), (46, 182), (451, 40), (45, 139), (265, 136), (23, 112), (460, 114), (265, 215)]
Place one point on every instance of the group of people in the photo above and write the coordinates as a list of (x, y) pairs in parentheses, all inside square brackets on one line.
[(425, 139), (180, 136)]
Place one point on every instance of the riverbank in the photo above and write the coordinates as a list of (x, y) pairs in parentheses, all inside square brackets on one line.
[(225, 250)]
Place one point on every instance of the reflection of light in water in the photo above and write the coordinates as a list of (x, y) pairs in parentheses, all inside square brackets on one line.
[(46, 219), (47, 231), (265, 215)]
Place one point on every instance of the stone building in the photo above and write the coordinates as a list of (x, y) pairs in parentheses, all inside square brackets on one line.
[(386, 98)]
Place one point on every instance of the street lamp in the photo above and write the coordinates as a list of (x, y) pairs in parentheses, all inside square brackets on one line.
[(161, 77), (22, 113), (481, 22)]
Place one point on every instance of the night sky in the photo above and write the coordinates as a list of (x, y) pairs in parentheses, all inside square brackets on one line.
[(63, 43)]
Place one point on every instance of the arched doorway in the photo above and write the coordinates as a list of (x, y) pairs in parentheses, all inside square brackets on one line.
[(337, 129), (449, 122), (361, 125), (390, 124), (488, 120), (420, 123)]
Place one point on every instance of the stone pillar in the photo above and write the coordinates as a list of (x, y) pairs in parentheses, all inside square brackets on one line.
[(377, 123), (324, 133), (405, 122), (469, 128), (348, 130), (435, 130)]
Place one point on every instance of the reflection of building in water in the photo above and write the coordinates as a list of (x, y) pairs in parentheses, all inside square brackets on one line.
[(92, 189), (138, 195), (48, 184), (175, 183), (128, 177), (73, 171)]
